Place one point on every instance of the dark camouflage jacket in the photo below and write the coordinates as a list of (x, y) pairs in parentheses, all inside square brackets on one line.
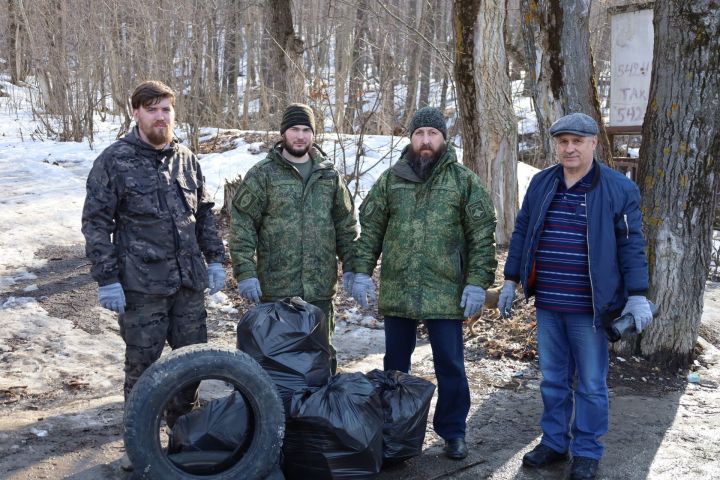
[(148, 219), (435, 237), (294, 233)]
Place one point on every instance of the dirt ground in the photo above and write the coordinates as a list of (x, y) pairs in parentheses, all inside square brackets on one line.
[(661, 426)]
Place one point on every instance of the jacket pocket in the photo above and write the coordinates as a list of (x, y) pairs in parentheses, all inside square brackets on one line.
[(141, 197), (188, 192)]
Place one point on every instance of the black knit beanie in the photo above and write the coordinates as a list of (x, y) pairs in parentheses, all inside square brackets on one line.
[(428, 117), (297, 114)]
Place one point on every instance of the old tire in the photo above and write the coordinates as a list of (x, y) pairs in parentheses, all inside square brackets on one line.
[(166, 377)]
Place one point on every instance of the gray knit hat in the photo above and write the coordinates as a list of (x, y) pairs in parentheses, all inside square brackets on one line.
[(428, 117), (297, 114)]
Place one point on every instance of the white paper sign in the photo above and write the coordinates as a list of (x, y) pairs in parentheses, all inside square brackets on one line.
[(631, 60)]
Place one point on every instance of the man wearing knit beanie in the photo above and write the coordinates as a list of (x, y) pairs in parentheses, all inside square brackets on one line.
[(434, 225), (291, 216)]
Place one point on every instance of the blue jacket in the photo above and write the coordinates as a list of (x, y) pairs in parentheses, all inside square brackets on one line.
[(616, 246)]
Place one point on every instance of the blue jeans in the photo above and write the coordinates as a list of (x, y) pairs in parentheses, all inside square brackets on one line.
[(447, 345), (569, 346)]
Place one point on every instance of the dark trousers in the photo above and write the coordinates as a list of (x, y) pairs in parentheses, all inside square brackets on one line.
[(329, 310), (151, 320), (447, 345)]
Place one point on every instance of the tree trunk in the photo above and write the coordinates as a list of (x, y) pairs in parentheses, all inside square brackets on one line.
[(413, 49), (489, 127), (279, 27), (231, 60), (678, 173), (557, 42), (427, 28), (357, 69)]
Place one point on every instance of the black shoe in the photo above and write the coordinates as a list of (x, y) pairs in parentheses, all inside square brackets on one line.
[(583, 468), (456, 448), (542, 456)]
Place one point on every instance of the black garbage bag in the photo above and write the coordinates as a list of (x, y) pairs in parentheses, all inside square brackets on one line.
[(335, 432), (406, 403), (289, 339), (222, 424)]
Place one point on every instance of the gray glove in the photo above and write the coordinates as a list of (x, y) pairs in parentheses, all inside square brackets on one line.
[(472, 300), (506, 298), (216, 277), (348, 280), (639, 308), (112, 297), (249, 289), (363, 288)]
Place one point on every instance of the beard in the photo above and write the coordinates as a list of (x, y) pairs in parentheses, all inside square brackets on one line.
[(157, 136), (295, 152), (423, 160)]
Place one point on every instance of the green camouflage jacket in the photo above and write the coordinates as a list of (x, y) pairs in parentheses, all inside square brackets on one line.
[(435, 237), (148, 219), (295, 233)]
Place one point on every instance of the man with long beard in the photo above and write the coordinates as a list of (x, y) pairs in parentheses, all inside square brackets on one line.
[(434, 225), (292, 217), (148, 223)]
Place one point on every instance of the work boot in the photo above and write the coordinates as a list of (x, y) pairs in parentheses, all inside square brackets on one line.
[(125, 463), (456, 448), (542, 456), (583, 468)]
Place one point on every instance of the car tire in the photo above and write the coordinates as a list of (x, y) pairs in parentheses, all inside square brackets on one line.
[(160, 383)]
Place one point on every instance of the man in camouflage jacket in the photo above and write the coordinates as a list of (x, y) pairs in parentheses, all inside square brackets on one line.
[(148, 223), (434, 224), (292, 217)]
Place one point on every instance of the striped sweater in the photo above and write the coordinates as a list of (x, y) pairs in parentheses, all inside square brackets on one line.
[(563, 280)]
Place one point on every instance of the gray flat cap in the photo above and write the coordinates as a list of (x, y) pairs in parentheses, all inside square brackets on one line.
[(576, 124)]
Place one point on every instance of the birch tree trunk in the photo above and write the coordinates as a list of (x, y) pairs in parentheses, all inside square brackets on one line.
[(678, 172), (489, 127)]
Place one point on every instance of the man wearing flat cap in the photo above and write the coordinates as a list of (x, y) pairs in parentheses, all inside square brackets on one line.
[(578, 247), (292, 217), (434, 225)]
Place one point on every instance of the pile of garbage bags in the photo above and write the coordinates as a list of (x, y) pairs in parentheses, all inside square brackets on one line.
[(337, 427)]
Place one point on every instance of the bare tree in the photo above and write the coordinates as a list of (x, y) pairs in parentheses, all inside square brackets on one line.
[(679, 171), (489, 126)]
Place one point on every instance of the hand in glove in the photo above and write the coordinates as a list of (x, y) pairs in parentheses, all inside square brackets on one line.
[(507, 296), (639, 308), (472, 300), (112, 297), (363, 288), (216, 277), (348, 280), (249, 289)]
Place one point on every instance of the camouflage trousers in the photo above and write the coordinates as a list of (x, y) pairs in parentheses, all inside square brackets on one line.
[(151, 320), (329, 310)]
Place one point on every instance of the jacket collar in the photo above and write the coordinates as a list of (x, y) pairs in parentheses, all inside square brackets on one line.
[(403, 169), (133, 138), (317, 156), (595, 170)]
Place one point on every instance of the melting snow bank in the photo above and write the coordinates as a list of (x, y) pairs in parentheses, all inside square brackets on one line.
[(43, 354)]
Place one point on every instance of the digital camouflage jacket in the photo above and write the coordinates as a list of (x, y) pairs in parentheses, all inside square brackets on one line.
[(435, 237), (295, 233), (148, 219)]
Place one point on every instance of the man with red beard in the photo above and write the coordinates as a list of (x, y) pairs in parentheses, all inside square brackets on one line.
[(434, 225), (152, 238), (292, 218)]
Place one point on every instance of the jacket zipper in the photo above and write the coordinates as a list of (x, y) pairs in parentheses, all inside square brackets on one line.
[(627, 227), (587, 241)]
